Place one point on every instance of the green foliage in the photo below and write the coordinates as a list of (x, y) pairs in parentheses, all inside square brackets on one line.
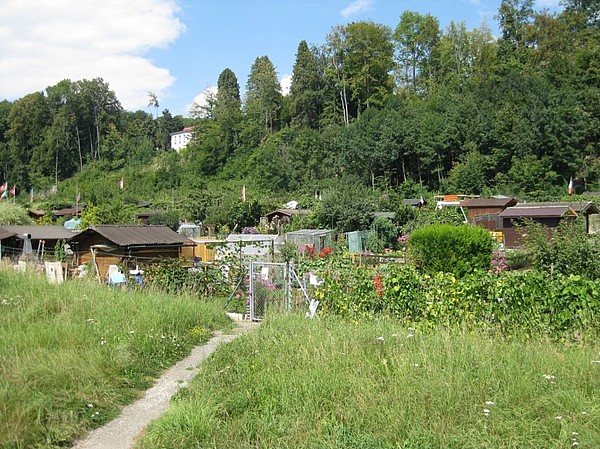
[(330, 383), (171, 276), (517, 303), (570, 251), (463, 113), (168, 218), (88, 350), (382, 235), (108, 214), (452, 249), (13, 214)]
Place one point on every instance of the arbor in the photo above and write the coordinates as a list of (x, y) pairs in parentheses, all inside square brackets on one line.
[(263, 94)]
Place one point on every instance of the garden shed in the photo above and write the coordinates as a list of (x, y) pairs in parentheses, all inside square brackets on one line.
[(584, 209), (318, 238), (484, 211), (43, 239), (105, 245), (549, 216), (357, 241)]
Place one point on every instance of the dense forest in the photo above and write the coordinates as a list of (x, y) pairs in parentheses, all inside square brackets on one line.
[(373, 115)]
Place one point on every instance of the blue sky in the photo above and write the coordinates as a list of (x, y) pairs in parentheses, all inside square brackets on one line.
[(178, 48)]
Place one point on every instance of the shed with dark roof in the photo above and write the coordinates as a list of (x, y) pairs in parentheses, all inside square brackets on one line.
[(484, 211), (43, 238), (583, 209), (548, 215), (127, 245)]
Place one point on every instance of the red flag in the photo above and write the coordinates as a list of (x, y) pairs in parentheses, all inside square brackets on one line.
[(13, 191), (244, 192)]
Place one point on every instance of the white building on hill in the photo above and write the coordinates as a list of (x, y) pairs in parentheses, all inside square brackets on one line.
[(180, 139)]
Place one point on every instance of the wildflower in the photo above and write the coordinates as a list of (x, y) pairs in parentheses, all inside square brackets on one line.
[(486, 412), (380, 338), (558, 418), (489, 403), (394, 335), (549, 376), (90, 405), (416, 365), (575, 443), (410, 336), (411, 329)]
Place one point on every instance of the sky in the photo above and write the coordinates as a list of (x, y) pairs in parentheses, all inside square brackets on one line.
[(176, 49)]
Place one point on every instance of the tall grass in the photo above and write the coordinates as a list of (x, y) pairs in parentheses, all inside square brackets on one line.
[(300, 383), (71, 355)]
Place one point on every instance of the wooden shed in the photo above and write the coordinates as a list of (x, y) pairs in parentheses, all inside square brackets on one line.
[(549, 216), (484, 211), (584, 209), (130, 245), (43, 239)]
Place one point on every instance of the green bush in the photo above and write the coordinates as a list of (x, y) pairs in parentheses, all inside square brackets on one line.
[(527, 303), (452, 249), (570, 251)]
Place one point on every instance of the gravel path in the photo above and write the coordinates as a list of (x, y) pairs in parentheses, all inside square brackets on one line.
[(121, 432)]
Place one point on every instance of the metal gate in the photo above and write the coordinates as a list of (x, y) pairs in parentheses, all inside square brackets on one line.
[(274, 287)]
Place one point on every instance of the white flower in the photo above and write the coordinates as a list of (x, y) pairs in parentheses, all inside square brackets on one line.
[(575, 443), (416, 365), (558, 417), (394, 335), (91, 405), (410, 336), (411, 329), (380, 338), (549, 376), (489, 403)]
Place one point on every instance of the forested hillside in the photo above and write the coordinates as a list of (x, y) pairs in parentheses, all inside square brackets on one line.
[(373, 115)]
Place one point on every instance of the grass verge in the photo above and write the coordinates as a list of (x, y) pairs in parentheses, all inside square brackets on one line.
[(300, 383), (71, 355)]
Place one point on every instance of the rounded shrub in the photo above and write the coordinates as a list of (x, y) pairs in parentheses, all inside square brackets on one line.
[(459, 250)]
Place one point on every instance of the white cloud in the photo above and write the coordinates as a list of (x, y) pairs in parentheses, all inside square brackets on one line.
[(285, 83), (356, 7), (201, 100), (44, 42)]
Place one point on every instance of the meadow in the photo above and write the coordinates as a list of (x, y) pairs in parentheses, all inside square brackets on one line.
[(72, 355), (333, 383)]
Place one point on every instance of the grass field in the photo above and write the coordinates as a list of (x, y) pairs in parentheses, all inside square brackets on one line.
[(71, 355), (301, 383)]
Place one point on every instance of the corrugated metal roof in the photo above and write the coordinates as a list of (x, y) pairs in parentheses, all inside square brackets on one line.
[(252, 237), (488, 202), (586, 207), (41, 232), (536, 212), (131, 235), (4, 234), (310, 232)]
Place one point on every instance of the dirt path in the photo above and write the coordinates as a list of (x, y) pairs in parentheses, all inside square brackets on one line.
[(121, 432)]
